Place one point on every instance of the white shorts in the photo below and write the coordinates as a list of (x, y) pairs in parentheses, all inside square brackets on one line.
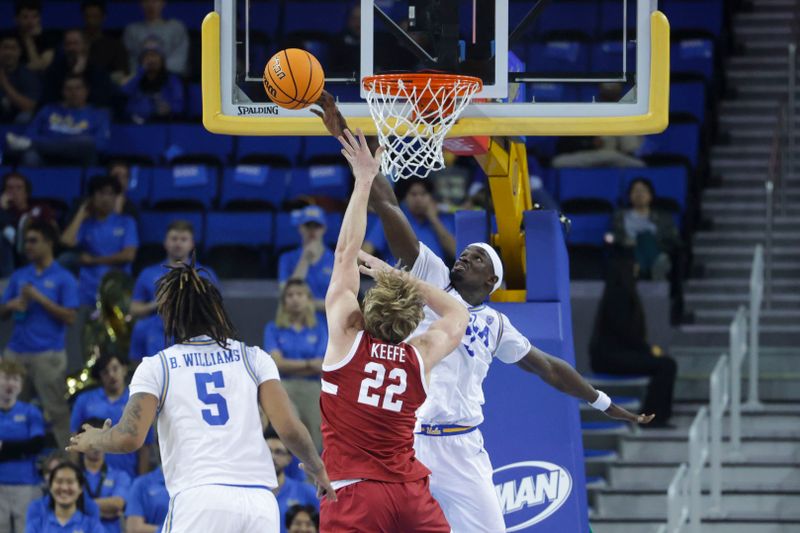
[(223, 509), (461, 481)]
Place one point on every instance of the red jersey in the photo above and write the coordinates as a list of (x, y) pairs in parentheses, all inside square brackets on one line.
[(368, 404)]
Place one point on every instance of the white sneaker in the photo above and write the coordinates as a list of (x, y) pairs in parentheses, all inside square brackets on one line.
[(17, 142)]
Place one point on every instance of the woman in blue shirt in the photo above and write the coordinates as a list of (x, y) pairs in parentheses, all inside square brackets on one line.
[(66, 512), (297, 340)]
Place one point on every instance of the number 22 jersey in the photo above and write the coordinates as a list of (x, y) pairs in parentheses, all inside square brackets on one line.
[(368, 403)]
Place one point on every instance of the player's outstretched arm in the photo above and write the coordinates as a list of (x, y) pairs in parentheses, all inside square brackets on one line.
[(400, 236), (281, 414), (562, 376), (125, 437)]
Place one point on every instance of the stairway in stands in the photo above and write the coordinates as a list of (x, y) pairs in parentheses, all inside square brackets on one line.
[(762, 493)]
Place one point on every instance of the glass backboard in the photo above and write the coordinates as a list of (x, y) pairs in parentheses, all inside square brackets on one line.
[(568, 67)]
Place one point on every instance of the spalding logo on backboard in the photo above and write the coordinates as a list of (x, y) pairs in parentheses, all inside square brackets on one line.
[(530, 491)]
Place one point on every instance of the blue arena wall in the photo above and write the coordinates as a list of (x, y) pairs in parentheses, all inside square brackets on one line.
[(532, 431)]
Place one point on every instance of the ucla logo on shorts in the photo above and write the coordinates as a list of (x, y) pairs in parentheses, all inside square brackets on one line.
[(530, 491)]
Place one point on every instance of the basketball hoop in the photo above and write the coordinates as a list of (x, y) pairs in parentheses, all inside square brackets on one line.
[(413, 113)]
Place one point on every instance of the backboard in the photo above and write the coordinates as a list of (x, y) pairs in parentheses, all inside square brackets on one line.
[(549, 67)]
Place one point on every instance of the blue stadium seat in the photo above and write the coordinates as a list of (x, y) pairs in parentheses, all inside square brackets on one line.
[(328, 17), (606, 57), (668, 182), (327, 147), (184, 184), (6, 15), (553, 92), (121, 14), (334, 221), (238, 229), (194, 139), (147, 141), (61, 185), (589, 228), (287, 148), (569, 15), (611, 16), (331, 181), (194, 100), (153, 224), (677, 140), (592, 189), (683, 16), (542, 146), (191, 13), (286, 234), (253, 185), (61, 15), (558, 56), (343, 93), (139, 184), (690, 98), (693, 56)]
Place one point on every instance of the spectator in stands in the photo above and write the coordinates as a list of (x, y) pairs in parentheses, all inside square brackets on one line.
[(22, 438), (347, 47), (38, 45), (148, 333), (43, 298), (73, 60), (16, 212), (297, 340), (106, 240), (48, 464), (66, 507), (106, 485), (20, 89), (105, 52), (72, 131), (172, 33), (416, 196), (650, 232), (107, 402), (153, 93), (147, 503), (608, 151), (125, 206), (289, 492), (312, 262), (619, 341), (302, 519)]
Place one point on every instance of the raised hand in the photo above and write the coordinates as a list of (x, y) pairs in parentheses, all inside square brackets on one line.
[(370, 265), (365, 166), (331, 116)]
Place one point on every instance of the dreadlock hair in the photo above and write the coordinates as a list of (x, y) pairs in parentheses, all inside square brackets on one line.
[(191, 305)]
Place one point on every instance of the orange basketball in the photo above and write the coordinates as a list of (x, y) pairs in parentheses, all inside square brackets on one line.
[(293, 78)]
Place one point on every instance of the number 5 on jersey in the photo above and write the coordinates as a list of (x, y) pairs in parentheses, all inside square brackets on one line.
[(212, 398), (373, 398)]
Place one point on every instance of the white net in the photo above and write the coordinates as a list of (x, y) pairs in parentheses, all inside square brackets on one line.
[(413, 115)]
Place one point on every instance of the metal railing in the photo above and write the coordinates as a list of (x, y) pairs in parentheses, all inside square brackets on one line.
[(678, 501), (754, 314), (698, 454), (720, 398), (738, 350), (774, 186)]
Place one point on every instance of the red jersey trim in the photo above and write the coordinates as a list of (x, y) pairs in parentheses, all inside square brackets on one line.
[(348, 357), (421, 368)]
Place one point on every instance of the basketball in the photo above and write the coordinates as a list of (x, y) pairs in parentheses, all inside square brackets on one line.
[(293, 78)]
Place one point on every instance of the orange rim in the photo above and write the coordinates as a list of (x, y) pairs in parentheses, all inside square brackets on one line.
[(390, 83)]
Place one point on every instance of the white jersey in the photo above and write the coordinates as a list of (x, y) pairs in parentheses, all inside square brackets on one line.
[(455, 392), (209, 427)]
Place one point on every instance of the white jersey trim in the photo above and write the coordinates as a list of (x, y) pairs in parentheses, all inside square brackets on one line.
[(329, 387), (348, 357), (342, 483), (421, 369)]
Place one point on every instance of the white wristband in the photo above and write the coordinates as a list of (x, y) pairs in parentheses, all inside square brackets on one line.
[(602, 402)]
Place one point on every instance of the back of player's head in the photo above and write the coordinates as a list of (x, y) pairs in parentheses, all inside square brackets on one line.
[(190, 306), (393, 307)]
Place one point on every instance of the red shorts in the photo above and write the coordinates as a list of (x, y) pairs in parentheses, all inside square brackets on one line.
[(381, 507)]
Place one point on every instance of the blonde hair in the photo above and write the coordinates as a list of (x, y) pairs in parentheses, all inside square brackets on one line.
[(393, 307), (12, 368), (309, 315)]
